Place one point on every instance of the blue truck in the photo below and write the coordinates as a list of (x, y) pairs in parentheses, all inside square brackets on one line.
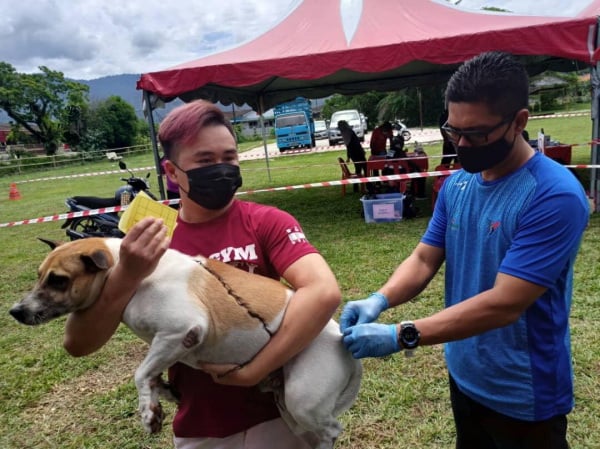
[(294, 125)]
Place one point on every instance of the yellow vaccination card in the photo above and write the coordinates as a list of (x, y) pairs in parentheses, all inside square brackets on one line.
[(144, 206)]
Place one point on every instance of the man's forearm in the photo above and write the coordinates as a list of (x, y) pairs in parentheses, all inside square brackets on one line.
[(88, 330), (412, 275), (140, 252)]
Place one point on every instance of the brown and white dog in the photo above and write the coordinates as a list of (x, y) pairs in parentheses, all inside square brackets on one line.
[(197, 310)]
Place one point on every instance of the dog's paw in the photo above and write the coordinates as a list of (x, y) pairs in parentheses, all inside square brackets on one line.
[(152, 417)]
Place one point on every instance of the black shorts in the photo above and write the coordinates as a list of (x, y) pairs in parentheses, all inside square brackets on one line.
[(479, 427)]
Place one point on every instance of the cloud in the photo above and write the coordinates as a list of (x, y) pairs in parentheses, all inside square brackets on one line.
[(39, 35), (553, 8), (88, 39)]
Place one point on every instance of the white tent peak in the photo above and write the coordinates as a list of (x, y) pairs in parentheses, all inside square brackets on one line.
[(350, 13)]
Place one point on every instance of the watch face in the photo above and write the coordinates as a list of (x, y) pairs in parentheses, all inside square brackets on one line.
[(410, 336)]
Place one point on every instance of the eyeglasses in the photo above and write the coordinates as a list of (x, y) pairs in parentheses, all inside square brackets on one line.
[(475, 137)]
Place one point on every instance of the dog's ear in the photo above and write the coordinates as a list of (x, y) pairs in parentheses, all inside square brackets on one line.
[(51, 243), (97, 261)]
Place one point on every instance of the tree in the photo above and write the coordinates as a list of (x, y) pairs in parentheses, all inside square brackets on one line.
[(74, 124), (415, 106), (116, 121), (39, 102)]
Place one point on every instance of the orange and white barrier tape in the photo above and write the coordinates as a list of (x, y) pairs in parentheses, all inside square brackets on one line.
[(402, 176), (247, 156), (398, 177), (561, 115), (83, 175), (78, 214), (87, 213)]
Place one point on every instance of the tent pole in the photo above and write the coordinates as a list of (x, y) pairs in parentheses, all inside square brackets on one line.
[(153, 140), (261, 111), (233, 120), (420, 97), (595, 152)]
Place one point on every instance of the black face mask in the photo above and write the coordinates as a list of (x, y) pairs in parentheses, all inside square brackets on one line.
[(484, 157), (213, 186)]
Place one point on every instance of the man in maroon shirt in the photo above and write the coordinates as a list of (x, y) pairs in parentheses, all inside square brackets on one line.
[(379, 139), (224, 412)]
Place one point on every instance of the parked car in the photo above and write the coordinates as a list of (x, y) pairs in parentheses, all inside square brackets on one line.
[(363, 121), (321, 131), (353, 117)]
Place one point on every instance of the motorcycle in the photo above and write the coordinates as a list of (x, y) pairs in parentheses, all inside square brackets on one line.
[(104, 224), (401, 130)]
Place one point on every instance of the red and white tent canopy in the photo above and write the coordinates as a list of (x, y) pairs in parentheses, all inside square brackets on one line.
[(352, 46)]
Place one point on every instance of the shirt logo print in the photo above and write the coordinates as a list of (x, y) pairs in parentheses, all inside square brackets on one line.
[(454, 223), (295, 235), (494, 225)]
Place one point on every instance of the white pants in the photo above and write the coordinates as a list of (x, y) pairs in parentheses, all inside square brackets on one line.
[(266, 435)]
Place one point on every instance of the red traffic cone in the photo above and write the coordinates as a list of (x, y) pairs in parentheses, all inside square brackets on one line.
[(14, 194)]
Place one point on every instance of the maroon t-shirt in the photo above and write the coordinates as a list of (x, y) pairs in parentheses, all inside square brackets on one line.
[(378, 141), (256, 238)]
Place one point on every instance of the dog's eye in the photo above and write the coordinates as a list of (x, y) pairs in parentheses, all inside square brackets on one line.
[(58, 282)]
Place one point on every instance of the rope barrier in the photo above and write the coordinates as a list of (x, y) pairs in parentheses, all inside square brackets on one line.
[(397, 177)]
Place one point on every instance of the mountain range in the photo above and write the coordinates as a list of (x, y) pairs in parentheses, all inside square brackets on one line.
[(119, 85)]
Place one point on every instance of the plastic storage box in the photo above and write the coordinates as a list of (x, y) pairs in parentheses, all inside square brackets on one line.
[(383, 208)]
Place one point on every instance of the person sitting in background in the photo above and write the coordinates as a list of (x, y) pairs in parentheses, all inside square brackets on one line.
[(397, 147), (379, 139), (354, 150), (397, 151)]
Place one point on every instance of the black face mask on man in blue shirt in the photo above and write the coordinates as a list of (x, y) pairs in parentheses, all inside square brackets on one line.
[(483, 157)]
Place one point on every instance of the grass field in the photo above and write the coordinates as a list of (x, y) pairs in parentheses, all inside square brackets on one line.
[(51, 400)]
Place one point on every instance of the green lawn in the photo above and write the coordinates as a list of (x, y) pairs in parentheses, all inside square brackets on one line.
[(51, 400)]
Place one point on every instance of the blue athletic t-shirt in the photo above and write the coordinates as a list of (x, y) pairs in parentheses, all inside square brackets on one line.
[(528, 225)]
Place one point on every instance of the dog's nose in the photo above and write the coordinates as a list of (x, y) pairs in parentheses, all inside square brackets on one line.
[(18, 313)]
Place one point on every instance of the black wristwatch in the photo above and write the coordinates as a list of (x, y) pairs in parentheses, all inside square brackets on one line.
[(409, 337)]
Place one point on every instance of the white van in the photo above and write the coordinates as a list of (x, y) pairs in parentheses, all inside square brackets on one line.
[(354, 119)]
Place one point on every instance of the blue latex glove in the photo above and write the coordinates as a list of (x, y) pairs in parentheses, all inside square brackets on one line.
[(363, 310), (371, 340)]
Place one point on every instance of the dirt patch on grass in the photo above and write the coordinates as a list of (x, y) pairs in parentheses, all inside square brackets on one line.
[(68, 409)]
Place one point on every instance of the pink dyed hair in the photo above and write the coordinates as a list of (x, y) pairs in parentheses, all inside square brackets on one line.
[(183, 124)]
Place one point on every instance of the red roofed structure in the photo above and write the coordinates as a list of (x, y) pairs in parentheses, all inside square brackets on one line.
[(354, 46)]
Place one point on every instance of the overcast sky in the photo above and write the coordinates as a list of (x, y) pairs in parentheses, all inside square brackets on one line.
[(88, 39)]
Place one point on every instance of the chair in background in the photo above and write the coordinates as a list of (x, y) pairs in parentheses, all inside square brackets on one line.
[(377, 165), (112, 156), (346, 174)]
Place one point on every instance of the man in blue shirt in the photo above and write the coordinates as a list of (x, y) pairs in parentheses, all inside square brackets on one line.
[(508, 226)]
